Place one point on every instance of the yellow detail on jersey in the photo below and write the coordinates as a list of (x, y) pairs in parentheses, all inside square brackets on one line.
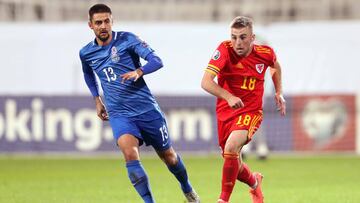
[(253, 127), (227, 44), (239, 65), (262, 50), (210, 71), (252, 82), (239, 121), (214, 67), (248, 83), (248, 120)]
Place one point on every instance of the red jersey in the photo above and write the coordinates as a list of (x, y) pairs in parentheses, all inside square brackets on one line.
[(241, 76)]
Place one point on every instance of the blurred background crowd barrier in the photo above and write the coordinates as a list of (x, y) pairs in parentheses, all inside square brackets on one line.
[(264, 11), (45, 105), (70, 124)]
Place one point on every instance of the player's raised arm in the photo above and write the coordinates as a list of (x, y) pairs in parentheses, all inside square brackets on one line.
[(153, 64), (276, 77), (209, 85)]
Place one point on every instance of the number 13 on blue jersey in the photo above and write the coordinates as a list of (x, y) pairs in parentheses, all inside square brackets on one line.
[(110, 75)]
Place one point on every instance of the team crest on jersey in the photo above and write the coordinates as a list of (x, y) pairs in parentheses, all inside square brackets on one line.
[(216, 55), (259, 67), (114, 55)]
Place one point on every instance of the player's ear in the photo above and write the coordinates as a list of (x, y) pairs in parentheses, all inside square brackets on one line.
[(90, 24), (253, 37)]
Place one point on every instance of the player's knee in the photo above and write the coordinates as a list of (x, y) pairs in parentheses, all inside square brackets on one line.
[(171, 159), (130, 155), (169, 156), (232, 148)]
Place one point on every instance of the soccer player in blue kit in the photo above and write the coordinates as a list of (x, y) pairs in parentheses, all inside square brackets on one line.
[(133, 113)]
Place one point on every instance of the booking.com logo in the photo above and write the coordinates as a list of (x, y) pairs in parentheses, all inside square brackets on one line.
[(82, 127)]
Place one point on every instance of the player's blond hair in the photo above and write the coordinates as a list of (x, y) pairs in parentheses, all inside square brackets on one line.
[(241, 21)]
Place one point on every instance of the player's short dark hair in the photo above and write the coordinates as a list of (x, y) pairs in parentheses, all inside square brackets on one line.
[(241, 21), (98, 8)]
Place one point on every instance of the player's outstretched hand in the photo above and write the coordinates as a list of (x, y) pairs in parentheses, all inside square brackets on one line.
[(235, 102), (132, 75), (280, 104)]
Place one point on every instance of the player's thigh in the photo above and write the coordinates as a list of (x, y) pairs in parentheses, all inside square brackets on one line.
[(129, 146), (123, 126), (236, 140), (155, 133)]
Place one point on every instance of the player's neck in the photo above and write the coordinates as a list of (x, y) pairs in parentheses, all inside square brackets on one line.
[(250, 50), (102, 43)]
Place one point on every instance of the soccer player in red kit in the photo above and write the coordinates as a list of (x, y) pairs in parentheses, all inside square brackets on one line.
[(240, 66)]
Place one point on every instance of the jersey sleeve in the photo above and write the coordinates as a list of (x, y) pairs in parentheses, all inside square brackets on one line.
[(153, 64), (138, 45), (273, 58), (218, 60), (267, 53), (89, 77)]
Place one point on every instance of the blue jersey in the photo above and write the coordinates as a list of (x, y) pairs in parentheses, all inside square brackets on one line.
[(121, 55)]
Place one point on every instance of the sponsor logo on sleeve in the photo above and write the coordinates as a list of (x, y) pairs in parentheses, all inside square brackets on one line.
[(143, 43), (216, 55)]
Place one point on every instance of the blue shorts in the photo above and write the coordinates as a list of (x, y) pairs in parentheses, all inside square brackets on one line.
[(153, 132)]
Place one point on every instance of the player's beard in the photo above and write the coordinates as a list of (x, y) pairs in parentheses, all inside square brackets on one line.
[(103, 36)]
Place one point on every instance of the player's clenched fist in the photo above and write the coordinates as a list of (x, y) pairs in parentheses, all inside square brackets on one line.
[(235, 102)]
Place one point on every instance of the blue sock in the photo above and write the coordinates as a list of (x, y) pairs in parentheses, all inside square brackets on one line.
[(139, 180), (180, 173)]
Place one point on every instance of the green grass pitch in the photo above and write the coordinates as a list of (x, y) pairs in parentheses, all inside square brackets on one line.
[(288, 179)]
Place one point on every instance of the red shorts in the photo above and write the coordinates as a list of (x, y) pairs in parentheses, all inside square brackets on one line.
[(249, 121)]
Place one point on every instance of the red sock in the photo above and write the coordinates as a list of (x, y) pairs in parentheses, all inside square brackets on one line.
[(229, 174), (245, 175)]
